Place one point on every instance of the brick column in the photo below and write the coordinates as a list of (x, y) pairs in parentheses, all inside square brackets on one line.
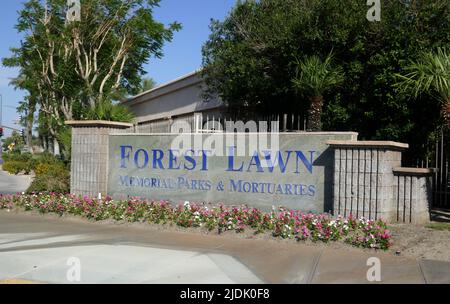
[(90, 152), (412, 194), (364, 183)]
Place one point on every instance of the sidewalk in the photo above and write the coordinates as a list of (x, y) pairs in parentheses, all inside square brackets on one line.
[(13, 184), (151, 256)]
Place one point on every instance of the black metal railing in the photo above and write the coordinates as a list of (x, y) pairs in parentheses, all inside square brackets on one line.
[(441, 181)]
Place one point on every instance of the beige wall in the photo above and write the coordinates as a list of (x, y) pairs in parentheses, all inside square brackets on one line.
[(181, 97)]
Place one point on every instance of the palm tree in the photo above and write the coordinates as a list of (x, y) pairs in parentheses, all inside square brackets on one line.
[(429, 74), (148, 84), (314, 78)]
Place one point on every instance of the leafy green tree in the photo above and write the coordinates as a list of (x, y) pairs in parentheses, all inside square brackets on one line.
[(250, 61), (71, 68), (430, 74), (106, 110), (314, 77), (148, 84), (15, 141)]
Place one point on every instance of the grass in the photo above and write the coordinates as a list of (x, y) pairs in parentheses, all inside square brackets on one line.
[(439, 226)]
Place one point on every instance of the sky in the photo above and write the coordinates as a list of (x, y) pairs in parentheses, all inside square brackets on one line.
[(181, 56)]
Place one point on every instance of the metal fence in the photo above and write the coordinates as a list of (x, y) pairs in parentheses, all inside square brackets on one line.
[(441, 181), (217, 122), (439, 159), (288, 122)]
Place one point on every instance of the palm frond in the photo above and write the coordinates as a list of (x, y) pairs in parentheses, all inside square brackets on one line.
[(429, 74), (316, 76)]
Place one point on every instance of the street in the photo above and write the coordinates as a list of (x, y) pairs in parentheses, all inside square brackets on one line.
[(48, 249), (12, 184)]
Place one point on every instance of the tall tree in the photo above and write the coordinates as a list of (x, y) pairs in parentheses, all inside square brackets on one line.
[(70, 68), (148, 84), (430, 74), (250, 61), (315, 77)]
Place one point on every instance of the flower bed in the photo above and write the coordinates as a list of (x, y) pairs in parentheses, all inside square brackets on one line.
[(281, 223)]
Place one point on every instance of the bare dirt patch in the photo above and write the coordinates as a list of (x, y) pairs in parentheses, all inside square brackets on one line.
[(421, 242)]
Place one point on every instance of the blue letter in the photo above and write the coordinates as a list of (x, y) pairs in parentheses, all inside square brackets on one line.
[(157, 160), (231, 161), (205, 160), (136, 158), (308, 164), (191, 160), (173, 161), (255, 161), (278, 160), (124, 155)]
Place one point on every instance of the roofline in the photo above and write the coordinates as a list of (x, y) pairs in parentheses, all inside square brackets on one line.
[(181, 78)]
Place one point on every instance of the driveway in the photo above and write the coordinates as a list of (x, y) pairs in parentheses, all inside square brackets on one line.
[(48, 249), (13, 184)]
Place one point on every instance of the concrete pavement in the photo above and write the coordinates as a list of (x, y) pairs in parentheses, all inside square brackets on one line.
[(35, 248), (12, 184)]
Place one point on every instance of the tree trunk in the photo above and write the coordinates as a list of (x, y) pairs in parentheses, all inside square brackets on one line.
[(44, 143), (446, 114), (56, 149), (29, 135), (315, 114)]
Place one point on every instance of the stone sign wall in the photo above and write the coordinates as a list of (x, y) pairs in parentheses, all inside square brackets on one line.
[(262, 170), (317, 172)]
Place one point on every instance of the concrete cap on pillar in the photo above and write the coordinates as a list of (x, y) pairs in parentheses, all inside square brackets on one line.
[(388, 145), (98, 123), (413, 171)]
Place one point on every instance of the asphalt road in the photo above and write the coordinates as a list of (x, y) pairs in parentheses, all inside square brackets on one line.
[(49, 249), (34, 249), (12, 184)]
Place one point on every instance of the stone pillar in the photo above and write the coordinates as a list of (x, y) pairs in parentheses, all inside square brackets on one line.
[(364, 179), (412, 194), (90, 152)]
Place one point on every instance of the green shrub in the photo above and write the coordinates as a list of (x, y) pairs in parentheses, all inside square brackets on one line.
[(16, 167), (6, 157), (43, 164), (8, 167), (47, 158), (25, 157), (31, 164), (51, 178), (9, 157), (42, 169)]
